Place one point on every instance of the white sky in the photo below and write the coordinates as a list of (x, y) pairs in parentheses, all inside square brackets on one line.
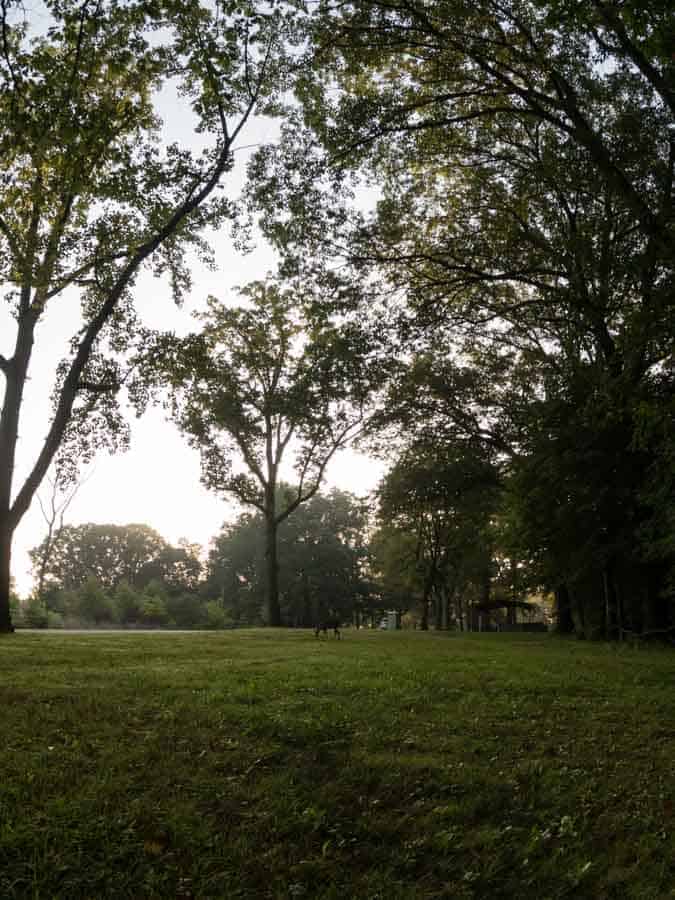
[(157, 481)]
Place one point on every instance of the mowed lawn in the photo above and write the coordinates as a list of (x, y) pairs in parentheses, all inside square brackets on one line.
[(386, 765)]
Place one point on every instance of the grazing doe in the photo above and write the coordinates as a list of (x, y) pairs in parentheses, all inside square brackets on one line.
[(327, 622)]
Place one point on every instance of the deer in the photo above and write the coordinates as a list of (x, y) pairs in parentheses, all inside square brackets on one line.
[(326, 623)]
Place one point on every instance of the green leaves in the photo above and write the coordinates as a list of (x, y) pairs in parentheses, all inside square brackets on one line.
[(264, 382)]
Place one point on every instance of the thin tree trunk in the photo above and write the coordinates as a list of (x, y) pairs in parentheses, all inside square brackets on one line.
[(563, 612), (272, 579), (445, 601), (309, 616), (438, 610), (5, 579), (424, 622), (14, 371), (619, 609)]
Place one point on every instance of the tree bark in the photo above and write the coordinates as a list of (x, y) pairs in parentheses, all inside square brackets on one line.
[(272, 572), (563, 610), (424, 621), (309, 615), (5, 559), (438, 610), (14, 371)]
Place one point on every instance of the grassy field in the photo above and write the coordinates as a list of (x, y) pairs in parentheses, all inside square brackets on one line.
[(385, 765)]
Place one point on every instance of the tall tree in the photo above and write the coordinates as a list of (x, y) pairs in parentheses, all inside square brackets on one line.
[(235, 569), (89, 196), (262, 383), (323, 558)]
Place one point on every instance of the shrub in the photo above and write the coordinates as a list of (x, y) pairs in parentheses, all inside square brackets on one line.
[(54, 619), (186, 610), (54, 598), (153, 611), (127, 604), (16, 610), (92, 604), (35, 614), (216, 617)]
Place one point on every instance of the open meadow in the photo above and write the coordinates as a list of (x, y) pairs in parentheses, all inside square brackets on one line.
[(267, 763)]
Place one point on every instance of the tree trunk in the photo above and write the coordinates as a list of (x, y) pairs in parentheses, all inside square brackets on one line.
[(15, 371), (309, 615), (438, 610), (424, 621), (563, 610), (445, 603), (272, 573), (5, 558)]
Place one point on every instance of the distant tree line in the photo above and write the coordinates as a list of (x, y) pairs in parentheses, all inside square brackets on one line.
[(427, 550), (96, 575), (128, 575)]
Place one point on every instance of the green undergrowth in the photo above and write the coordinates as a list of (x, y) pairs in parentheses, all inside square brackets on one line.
[(386, 765)]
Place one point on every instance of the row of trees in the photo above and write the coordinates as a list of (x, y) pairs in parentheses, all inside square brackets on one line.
[(525, 154), (435, 548), (93, 605), (129, 575), (113, 554)]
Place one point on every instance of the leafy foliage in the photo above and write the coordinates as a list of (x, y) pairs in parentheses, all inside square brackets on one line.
[(90, 196), (263, 382), (323, 563), (119, 555), (524, 154)]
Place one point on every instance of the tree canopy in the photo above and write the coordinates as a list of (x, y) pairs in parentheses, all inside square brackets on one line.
[(91, 195), (259, 385), (524, 154), (323, 562), (515, 249), (112, 554)]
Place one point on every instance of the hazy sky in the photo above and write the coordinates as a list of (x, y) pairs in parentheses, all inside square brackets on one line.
[(157, 481)]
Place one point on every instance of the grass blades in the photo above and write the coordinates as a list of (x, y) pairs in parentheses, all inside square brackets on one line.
[(270, 764)]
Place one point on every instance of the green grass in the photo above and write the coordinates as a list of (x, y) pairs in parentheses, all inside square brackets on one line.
[(269, 764)]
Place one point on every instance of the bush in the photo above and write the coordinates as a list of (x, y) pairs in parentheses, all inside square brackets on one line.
[(186, 610), (15, 609), (127, 604), (153, 611), (35, 614), (216, 617), (54, 619), (54, 598), (92, 604)]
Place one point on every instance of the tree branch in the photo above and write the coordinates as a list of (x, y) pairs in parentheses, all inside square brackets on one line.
[(613, 21), (100, 387)]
